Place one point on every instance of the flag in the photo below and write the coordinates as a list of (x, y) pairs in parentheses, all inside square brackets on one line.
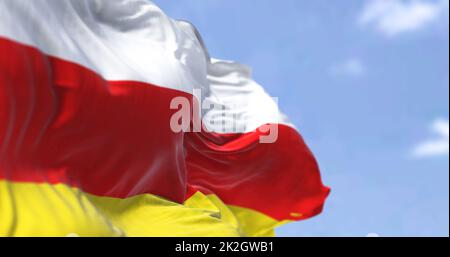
[(90, 140)]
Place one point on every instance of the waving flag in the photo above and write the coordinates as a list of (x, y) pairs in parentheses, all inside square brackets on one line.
[(87, 145)]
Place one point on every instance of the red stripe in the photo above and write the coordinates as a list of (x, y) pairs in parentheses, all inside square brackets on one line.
[(277, 179), (62, 123)]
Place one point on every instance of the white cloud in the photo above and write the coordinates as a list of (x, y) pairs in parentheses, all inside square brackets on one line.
[(373, 235), (351, 67), (438, 146), (393, 17)]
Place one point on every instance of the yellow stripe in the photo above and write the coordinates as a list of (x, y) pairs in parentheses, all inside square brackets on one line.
[(28, 209), (149, 215)]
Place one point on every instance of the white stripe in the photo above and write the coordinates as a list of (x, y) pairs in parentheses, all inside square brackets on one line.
[(134, 40), (245, 104)]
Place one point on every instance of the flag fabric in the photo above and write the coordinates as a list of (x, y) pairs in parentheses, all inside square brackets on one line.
[(86, 143)]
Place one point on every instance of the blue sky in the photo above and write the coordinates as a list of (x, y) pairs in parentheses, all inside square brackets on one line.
[(367, 84)]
